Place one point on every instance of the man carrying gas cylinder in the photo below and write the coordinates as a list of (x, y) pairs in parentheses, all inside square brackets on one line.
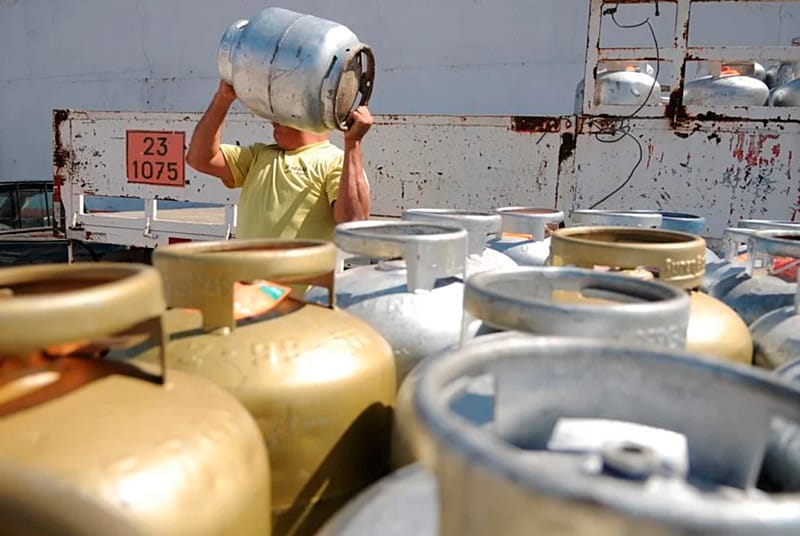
[(299, 187)]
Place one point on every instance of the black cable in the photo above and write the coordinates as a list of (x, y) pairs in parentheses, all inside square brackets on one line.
[(646, 21), (622, 125), (630, 175)]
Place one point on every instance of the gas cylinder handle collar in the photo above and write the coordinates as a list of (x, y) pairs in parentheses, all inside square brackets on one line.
[(531, 221), (366, 81), (732, 238), (765, 225), (52, 308), (530, 300), (526, 405), (480, 226), (764, 245), (677, 258), (201, 275), (621, 218), (430, 251)]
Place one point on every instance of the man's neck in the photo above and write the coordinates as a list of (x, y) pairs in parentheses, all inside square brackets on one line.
[(304, 141)]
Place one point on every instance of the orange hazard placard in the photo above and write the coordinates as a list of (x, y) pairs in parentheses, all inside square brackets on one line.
[(154, 157)]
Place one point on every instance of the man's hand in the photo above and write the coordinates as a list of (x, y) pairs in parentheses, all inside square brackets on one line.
[(225, 92), (362, 121)]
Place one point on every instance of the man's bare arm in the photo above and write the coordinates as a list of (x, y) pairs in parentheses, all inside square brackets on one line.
[(352, 202), (204, 154)]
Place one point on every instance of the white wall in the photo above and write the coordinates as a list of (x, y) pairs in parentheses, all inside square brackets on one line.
[(434, 56)]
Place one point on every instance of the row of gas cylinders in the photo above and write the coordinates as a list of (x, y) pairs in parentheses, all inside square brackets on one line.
[(739, 84), (514, 375)]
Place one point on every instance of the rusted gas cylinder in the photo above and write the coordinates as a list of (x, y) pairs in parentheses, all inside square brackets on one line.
[(94, 446), (542, 301), (481, 228), (414, 295), (319, 381), (592, 438), (525, 233), (776, 335), (764, 285), (674, 258)]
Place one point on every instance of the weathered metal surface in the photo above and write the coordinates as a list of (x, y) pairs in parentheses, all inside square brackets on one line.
[(723, 170), (473, 162), (478, 163), (89, 160)]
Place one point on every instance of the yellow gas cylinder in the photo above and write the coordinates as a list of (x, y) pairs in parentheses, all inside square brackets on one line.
[(319, 381), (94, 446), (672, 257)]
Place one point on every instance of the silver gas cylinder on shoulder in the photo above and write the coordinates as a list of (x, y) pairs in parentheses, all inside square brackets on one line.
[(296, 69)]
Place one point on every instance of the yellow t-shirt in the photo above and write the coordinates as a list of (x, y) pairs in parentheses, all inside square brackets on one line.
[(286, 194)]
